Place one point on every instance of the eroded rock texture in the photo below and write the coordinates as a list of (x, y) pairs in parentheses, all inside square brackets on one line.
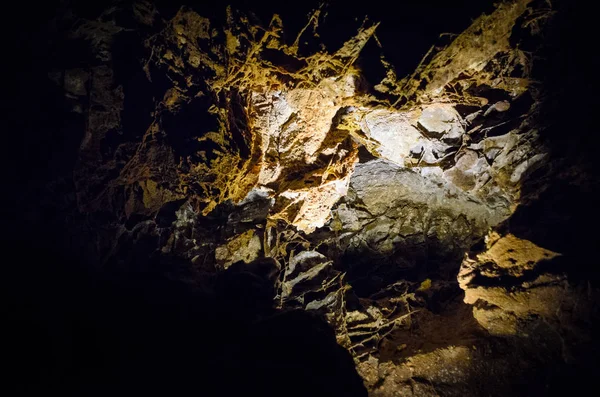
[(397, 209)]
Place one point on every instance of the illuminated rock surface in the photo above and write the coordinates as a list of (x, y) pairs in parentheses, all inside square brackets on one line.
[(422, 217)]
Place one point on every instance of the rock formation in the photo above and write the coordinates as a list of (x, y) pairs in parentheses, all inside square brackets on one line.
[(397, 209)]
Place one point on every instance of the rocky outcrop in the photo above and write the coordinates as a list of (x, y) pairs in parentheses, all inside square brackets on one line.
[(221, 148), (404, 221), (512, 283)]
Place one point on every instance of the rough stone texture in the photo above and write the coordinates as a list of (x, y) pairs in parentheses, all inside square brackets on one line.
[(532, 292), (440, 121), (245, 247), (227, 149), (293, 133), (401, 219), (469, 54), (395, 133)]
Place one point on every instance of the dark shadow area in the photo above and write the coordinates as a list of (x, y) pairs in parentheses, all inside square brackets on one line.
[(562, 217), (441, 320), (75, 333)]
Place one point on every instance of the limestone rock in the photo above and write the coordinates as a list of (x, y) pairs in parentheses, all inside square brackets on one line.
[(394, 132), (499, 107), (248, 140), (382, 186), (245, 247), (394, 218), (254, 209), (521, 261), (306, 271), (439, 120)]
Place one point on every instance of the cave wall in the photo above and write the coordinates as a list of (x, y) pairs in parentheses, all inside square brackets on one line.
[(436, 221)]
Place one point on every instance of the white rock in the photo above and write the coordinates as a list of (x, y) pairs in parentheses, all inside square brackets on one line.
[(528, 166), (439, 119), (394, 132)]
